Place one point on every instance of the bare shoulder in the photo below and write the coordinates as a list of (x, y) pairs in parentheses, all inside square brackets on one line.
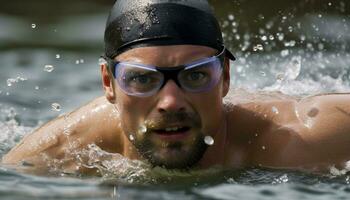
[(296, 132), (326, 114), (94, 123), (267, 105)]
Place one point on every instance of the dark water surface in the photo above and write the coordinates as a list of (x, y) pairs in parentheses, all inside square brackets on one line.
[(296, 47)]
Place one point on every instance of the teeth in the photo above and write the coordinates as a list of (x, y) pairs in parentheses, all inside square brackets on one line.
[(172, 129)]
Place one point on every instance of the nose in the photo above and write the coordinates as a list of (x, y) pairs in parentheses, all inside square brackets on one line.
[(171, 98)]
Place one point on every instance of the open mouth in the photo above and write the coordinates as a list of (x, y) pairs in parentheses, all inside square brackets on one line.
[(171, 133)]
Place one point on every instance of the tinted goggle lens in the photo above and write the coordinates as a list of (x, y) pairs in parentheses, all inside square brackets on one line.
[(140, 80)]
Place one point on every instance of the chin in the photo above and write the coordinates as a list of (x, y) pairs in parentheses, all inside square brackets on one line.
[(175, 156)]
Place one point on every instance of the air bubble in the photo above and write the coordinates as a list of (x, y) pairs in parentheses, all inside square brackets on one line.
[(209, 140), (37, 87), (263, 147), (49, 68), (33, 26), (58, 56), (56, 107), (262, 73)]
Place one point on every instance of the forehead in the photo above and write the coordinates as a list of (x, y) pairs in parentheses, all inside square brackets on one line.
[(167, 55)]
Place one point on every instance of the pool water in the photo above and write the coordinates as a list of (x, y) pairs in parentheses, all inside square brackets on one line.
[(49, 66)]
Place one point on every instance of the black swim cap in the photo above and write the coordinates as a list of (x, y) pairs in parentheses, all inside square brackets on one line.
[(141, 23)]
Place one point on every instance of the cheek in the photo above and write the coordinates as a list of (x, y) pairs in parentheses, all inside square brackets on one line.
[(210, 108), (132, 111)]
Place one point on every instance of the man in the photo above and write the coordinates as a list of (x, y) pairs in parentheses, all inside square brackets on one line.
[(165, 74)]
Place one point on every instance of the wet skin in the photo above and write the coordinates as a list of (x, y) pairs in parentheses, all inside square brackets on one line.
[(250, 130)]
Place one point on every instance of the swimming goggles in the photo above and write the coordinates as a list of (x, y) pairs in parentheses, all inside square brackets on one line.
[(141, 80)]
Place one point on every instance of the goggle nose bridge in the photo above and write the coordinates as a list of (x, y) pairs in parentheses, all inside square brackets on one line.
[(170, 74)]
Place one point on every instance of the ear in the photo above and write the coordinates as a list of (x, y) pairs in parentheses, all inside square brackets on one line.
[(108, 83), (226, 77)]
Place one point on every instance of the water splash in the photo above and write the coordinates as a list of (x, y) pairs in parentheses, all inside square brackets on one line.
[(11, 130), (12, 81), (113, 165), (282, 179)]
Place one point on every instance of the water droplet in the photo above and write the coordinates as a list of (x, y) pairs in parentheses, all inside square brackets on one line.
[(280, 77), (256, 135), (271, 37), (208, 140), (33, 26), (48, 68), (77, 62), (37, 87), (263, 148), (264, 38), (280, 36), (143, 129), (258, 47), (262, 73), (81, 60), (102, 61), (58, 56), (285, 53), (231, 17), (275, 110), (131, 137), (56, 107)]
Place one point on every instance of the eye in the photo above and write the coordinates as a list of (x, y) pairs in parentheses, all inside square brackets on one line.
[(141, 79), (196, 76)]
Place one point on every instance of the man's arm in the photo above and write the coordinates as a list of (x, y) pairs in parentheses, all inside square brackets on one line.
[(96, 122)]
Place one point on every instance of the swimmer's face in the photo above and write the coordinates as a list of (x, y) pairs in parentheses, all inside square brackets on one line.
[(168, 128)]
